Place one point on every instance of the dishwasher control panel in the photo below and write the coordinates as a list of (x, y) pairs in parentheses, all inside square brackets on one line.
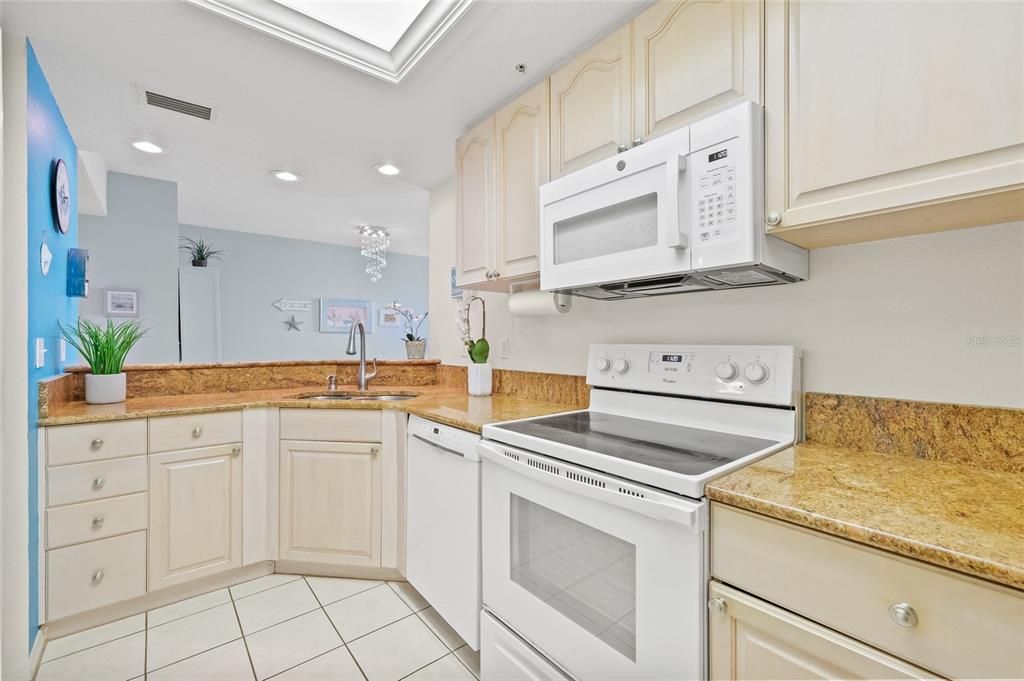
[(453, 440)]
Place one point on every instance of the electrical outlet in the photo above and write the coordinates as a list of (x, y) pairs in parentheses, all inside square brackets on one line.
[(506, 348)]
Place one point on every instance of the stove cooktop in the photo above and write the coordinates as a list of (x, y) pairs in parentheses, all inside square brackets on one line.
[(670, 447)]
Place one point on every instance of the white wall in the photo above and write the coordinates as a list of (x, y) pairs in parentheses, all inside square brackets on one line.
[(896, 318)]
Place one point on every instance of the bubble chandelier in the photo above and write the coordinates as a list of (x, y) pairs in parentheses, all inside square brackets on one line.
[(375, 245)]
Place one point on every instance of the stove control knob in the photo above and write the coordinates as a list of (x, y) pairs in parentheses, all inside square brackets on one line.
[(727, 371), (756, 373), (621, 366), (603, 364)]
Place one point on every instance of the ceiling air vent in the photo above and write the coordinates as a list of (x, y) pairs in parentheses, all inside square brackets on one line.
[(179, 105)]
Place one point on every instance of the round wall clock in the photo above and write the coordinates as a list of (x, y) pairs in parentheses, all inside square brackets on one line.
[(62, 197)]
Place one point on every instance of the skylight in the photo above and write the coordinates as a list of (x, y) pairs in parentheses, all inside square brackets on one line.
[(382, 24)]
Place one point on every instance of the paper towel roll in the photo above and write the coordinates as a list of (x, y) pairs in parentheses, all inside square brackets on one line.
[(536, 303)]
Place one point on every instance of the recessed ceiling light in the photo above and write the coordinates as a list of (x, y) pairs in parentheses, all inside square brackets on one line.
[(147, 146), (286, 175), (387, 169)]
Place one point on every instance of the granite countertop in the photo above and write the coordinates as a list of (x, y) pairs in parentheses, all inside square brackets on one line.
[(441, 403), (952, 515)]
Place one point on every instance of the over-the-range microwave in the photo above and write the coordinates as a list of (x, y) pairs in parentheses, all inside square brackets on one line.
[(680, 213)]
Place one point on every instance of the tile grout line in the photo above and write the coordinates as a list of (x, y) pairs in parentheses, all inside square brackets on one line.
[(95, 645), (189, 657), (341, 638), (473, 673), (241, 631)]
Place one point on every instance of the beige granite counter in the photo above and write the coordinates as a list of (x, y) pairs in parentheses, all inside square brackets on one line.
[(441, 403), (966, 518)]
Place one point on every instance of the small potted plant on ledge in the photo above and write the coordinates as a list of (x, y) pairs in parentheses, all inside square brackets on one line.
[(480, 375), (415, 346), (200, 251), (104, 350)]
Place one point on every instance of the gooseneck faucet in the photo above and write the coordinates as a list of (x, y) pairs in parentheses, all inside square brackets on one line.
[(362, 378)]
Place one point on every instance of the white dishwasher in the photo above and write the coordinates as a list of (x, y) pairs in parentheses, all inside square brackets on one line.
[(443, 523)]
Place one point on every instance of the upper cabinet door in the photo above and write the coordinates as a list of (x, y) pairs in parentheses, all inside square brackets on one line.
[(692, 57), (591, 104), (195, 514), (474, 204), (522, 166), (874, 107)]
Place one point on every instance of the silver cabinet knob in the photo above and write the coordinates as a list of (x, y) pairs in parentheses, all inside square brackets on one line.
[(97, 577), (773, 219), (235, 451), (637, 141), (97, 522), (622, 148), (97, 483), (903, 614), (97, 443), (718, 605), (497, 274), (197, 431), (374, 450)]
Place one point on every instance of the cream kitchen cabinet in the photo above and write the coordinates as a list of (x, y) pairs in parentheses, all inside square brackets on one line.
[(751, 639), (331, 502), (341, 489), (824, 593), (877, 128), (691, 58), (500, 164), (592, 104), (195, 513)]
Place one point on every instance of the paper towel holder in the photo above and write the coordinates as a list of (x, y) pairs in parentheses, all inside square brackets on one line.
[(539, 303)]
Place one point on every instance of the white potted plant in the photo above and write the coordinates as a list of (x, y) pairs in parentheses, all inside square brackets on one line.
[(104, 350), (415, 346), (480, 377)]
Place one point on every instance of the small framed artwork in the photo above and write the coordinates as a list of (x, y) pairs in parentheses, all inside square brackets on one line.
[(388, 317), (456, 291), (119, 302), (337, 314)]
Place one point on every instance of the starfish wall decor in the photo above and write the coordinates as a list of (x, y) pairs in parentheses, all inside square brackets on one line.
[(292, 324)]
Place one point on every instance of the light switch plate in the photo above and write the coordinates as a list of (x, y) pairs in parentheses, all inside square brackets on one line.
[(506, 348), (40, 353), (63, 345)]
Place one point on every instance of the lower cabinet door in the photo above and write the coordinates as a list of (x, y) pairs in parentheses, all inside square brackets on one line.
[(751, 639), (195, 514), (330, 502)]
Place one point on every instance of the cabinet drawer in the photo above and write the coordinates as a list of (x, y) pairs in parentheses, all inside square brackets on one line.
[(962, 628), (95, 480), (94, 574), (94, 441), (95, 520), (194, 430), (333, 425)]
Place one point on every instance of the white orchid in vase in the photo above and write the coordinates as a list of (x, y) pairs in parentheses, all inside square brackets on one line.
[(413, 321)]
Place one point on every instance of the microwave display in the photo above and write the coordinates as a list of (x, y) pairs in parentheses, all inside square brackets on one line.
[(718, 155)]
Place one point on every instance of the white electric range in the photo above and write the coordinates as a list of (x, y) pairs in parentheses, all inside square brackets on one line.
[(594, 522)]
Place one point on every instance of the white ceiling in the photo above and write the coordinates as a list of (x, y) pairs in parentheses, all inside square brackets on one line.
[(379, 23), (279, 106)]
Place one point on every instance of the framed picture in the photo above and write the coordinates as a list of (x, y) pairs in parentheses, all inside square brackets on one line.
[(456, 291), (337, 314), (388, 317), (121, 302)]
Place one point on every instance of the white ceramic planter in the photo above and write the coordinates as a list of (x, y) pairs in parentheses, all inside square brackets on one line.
[(105, 388), (415, 349), (480, 379)]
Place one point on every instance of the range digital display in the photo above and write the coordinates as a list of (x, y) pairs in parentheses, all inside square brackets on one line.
[(672, 358), (718, 155)]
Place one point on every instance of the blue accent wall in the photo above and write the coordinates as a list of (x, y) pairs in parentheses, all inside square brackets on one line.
[(48, 140)]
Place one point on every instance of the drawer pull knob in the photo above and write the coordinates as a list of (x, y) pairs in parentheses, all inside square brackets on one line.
[(235, 451), (97, 577), (197, 431), (97, 443), (903, 615), (773, 219), (98, 483), (374, 450), (718, 606), (97, 522)]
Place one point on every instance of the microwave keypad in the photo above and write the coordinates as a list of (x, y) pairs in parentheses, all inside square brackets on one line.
[(716, 205)]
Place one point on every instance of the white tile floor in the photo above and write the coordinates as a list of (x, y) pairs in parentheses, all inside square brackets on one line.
[(285, 627)]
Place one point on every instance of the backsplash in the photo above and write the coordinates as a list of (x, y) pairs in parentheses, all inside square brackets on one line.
[(983, 437), (531, 385)]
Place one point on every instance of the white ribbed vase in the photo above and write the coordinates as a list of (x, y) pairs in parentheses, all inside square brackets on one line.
[(480, 376)]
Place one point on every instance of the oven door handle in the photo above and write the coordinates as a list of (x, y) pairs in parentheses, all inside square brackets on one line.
[(654, 505)]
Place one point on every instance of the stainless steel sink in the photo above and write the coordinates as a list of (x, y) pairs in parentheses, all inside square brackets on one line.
[(332, 397)]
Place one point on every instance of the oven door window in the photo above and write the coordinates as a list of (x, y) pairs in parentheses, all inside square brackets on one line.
[(585, 574)]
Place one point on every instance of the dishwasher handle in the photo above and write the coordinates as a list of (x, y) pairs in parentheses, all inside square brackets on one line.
[(439, 446)]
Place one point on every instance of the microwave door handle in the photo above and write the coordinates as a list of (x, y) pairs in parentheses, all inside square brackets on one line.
[(677, 239)]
